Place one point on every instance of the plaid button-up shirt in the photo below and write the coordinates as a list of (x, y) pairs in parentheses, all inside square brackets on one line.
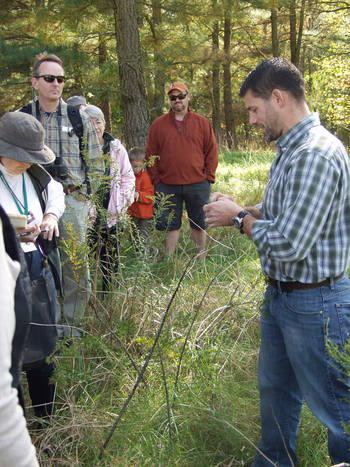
[(63, 142), (304, 232)]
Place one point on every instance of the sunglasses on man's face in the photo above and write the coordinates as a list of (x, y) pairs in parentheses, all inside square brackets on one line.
[(178, 96), (51, 78)]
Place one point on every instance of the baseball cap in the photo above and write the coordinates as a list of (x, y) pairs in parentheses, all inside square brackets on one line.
[(177, 86)]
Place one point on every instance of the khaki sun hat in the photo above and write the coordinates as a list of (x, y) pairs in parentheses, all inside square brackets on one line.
[(22, 138)]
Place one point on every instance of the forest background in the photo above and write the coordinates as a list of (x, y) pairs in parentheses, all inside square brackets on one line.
[(166, 374), (122, 54)]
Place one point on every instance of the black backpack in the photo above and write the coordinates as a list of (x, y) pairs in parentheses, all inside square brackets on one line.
[(23, 298), (78, 128)]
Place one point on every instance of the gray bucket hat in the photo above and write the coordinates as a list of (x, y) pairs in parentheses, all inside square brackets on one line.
[(22, 139)]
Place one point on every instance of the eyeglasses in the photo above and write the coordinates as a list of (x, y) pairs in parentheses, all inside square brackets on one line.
[(51, 78), (178, 96)]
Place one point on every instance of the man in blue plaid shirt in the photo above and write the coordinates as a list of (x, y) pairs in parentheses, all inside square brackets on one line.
[(302, 234), (77, 176)]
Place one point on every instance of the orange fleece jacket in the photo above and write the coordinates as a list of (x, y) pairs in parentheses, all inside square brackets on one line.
[(187, 153), (143, 207)]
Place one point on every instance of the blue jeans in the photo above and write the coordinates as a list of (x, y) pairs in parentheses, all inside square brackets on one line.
[(295, 365)]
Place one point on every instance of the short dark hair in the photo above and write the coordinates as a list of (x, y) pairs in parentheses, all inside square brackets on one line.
[(44, 57), (276, 73), (137, 153)]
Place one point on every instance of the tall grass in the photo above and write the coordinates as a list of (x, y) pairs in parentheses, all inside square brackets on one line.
[(197, 402)]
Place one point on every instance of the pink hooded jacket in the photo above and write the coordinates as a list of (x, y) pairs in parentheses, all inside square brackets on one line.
[(122, 183)]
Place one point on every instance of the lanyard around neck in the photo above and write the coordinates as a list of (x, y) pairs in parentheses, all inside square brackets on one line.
[(22, 207)]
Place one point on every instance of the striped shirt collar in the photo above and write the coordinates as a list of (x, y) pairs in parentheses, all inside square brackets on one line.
[(297, 132)]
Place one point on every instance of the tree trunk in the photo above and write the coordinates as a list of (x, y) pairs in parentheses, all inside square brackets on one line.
[(132, 84), (159, 74), (104, 102), (293, 31), (309, 82), (300, 33), (216, 80), (77, 75), (274, 31), (296, 39), (228, 107)]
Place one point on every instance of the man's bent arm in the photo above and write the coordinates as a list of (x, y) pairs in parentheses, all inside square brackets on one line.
[(312, 183), (221, 213)]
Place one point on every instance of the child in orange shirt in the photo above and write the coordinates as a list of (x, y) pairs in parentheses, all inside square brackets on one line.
[(142, 209)]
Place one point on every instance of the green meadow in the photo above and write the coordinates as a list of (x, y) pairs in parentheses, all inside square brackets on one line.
[(166, 373)]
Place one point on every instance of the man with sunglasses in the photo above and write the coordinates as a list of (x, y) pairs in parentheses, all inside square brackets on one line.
[(74, 172), (187, 157)]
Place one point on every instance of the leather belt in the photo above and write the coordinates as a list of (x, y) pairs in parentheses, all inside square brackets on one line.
[(71, 189), (289, 286)]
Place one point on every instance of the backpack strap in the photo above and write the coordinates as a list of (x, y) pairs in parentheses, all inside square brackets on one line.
[(40, 179), (76, 121), (78, 128), (27, 109)]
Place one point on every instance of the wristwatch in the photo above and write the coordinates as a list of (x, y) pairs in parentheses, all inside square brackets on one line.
[(238, 220)]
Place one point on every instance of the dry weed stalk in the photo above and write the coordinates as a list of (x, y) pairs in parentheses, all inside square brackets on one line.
[(146, 362), (189, 330), (113, 333)]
